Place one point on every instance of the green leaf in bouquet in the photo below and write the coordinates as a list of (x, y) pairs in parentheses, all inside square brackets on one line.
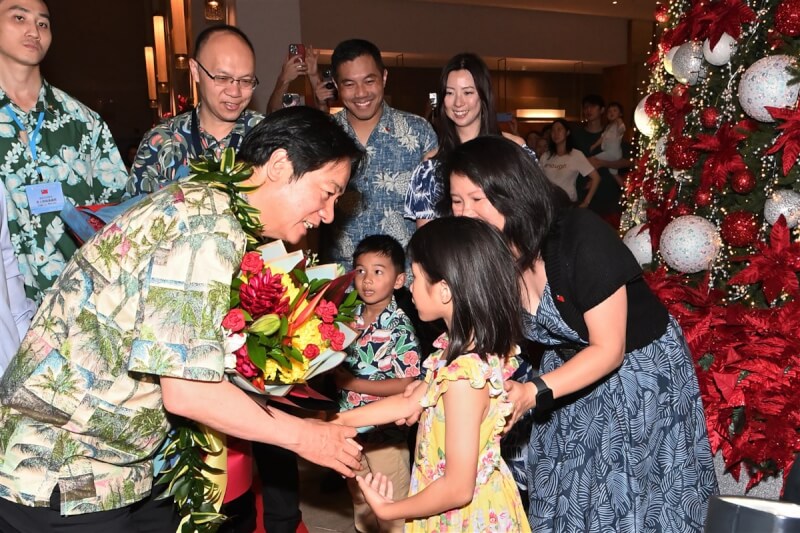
[(279, 357), (317, 285), (294, 353), (256, 352), (300, 276), (284, 329), (235, 299)]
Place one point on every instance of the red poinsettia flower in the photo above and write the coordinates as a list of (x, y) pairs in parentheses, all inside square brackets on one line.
[(724, 157), (789, 139), (774, 265)]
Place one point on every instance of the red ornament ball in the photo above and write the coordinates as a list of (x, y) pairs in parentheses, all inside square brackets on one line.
[(787, 18), (662, 13), (703, 198), (739, 228), (681, 210), (654, 104), (679, 90), (681, 153), (709, 117), (651, 190), (743, 182)]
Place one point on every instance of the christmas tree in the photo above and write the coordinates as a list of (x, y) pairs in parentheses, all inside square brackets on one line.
[(712, 210)]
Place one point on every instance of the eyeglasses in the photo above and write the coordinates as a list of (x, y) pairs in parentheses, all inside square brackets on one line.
[(246, 84)]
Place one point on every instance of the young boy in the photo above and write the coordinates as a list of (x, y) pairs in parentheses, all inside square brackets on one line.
[(381, 362)]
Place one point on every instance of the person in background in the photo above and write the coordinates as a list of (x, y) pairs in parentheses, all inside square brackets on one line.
[(381, 362), (16, 310), (396, 142), (465, 110), (223, 68), (56, 151), (296, 65), (610, 142), (562, 165), (606, 200)]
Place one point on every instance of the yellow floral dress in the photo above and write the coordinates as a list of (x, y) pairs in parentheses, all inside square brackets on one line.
[(495, 505)]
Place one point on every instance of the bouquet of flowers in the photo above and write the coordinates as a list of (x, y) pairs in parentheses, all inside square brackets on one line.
[(287, 323), (288, 320)]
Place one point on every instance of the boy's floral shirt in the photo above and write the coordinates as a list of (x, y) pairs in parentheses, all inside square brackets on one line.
[(74, 148), (143, 298), (386, 349)]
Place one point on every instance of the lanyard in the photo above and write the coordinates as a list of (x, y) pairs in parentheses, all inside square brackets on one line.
[(33, 137), (198, 146)]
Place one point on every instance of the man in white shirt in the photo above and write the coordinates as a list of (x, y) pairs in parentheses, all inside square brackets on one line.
[(16, 310)]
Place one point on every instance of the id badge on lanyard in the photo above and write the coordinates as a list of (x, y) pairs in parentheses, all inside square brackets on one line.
[(42, 197)]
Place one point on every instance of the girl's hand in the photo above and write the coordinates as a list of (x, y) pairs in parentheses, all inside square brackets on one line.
[(412, 389), (378, 493), (523, 397)]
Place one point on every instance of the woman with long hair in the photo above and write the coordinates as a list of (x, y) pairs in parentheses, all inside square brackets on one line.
[(562, 164), (465, 109)]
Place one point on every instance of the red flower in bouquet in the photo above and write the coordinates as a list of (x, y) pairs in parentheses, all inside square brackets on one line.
[(234, 321), (263, 293), (252, 263)]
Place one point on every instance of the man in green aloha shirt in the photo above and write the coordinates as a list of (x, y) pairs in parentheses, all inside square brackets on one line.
[(53, 148)]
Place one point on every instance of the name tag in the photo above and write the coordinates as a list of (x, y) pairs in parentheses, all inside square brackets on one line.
[(45, 197)]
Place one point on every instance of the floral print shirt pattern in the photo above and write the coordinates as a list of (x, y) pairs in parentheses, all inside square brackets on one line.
[(165, 151), (143, 298), (427, 189), (373, 202), (496, 505), (386, 349), (75, 148)]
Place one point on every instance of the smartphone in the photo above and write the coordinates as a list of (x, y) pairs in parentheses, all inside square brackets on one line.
[(504, 117), (433, 98), (327, 79), (298, 49)]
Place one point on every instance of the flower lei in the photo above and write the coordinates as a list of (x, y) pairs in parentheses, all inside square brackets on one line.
[(227, 175)]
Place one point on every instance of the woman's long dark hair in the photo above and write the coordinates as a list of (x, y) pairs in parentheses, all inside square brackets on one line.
[(448, 136), (515, 186), (473, 259)]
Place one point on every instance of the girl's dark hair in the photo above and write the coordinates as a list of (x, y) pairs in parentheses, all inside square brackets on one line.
[(515, 186), (473, 259), (568, 139), (448, 137), (618, 106), (311, 138)]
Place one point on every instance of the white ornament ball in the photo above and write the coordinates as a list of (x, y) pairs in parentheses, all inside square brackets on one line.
[(687, 63), (668, 59), (722, 52), (766, 83), (784, 202), (690, 244), (638, 242), (640, 117)]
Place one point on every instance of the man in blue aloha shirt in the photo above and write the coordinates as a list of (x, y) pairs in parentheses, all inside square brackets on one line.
[(224, 70), (395, 142)]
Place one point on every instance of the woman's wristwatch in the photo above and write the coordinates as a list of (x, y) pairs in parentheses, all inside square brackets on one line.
[(544, 396)]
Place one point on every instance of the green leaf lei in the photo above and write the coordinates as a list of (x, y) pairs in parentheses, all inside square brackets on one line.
[(188, 478), (227, 175)]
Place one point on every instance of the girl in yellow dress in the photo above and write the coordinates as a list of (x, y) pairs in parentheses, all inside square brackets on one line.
[(464, 275)]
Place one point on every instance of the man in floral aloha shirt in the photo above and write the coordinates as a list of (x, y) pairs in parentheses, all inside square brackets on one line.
[(54, 149)]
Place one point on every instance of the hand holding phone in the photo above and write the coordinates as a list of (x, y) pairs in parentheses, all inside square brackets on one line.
[(298, 49)]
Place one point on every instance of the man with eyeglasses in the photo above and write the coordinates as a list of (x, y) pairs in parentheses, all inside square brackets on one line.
[(224, 69)]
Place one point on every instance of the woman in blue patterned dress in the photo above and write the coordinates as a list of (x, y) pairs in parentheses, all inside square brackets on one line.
[(620, 442)]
